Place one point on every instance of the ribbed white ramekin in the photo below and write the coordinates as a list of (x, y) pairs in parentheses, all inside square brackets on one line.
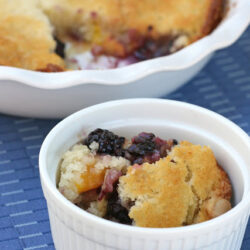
[(75, 229)]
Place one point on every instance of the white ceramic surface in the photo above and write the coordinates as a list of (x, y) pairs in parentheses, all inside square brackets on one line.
[(55, 95), (75, 229)]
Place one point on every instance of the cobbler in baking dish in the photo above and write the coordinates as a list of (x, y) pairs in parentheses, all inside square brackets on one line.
[(58, 35), (145, 181)]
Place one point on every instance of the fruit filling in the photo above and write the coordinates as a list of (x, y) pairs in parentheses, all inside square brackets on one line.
[(145, 180)]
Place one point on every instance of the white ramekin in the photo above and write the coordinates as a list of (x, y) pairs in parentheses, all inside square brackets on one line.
[(51, 95), (74, 228)]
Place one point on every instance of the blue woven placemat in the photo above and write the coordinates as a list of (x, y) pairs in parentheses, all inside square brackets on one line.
[(223, 86)]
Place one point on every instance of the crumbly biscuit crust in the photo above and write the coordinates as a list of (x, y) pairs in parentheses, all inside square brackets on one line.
[(26, 39), (82, 170), (184, 188)]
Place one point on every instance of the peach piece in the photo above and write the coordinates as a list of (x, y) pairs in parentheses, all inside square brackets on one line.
[(90, 179)]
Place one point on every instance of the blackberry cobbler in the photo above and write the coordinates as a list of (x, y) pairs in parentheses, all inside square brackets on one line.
[(145, 181), (100, 34)]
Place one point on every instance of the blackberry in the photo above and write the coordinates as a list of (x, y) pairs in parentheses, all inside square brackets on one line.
[(60, 48), (153, 48), (109, 143), (115, 211), (175, 142), (148, 148), (142, 148), (143, 138)]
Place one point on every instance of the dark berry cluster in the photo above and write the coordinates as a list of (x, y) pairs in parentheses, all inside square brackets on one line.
[(109, 143), (115, 211), (153, 48), (146, 147)]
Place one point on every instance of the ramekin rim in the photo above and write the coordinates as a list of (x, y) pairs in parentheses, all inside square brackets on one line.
[(192, 53), (245, 201)]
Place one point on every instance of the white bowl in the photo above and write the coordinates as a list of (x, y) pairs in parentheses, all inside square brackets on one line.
[(55, 95), (74, 228)]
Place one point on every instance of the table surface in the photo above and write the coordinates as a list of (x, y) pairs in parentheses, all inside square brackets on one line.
[(222, 86)]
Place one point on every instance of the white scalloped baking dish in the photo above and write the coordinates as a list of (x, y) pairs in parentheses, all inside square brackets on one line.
[(54, 95)]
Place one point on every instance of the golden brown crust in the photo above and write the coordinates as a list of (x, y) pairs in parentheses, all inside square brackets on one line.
[(160, 193), (184, 188), (194, 18), (26, 36)]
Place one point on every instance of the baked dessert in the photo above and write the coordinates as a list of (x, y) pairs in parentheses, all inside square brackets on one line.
[(100, 34), (145, 181)]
